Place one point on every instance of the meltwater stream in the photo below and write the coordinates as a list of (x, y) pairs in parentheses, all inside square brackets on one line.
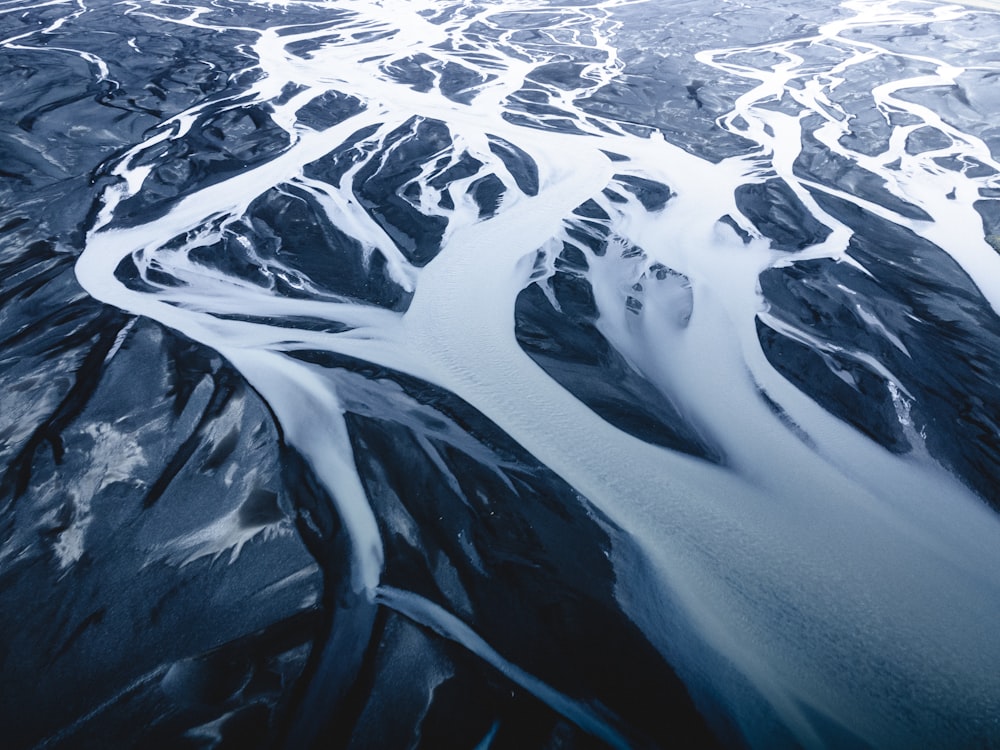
[(730, 274)]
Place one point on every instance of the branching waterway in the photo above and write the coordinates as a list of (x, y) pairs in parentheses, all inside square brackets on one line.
[(727, 279)]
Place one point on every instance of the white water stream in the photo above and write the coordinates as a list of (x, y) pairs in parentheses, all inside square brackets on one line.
[(844, 585)]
